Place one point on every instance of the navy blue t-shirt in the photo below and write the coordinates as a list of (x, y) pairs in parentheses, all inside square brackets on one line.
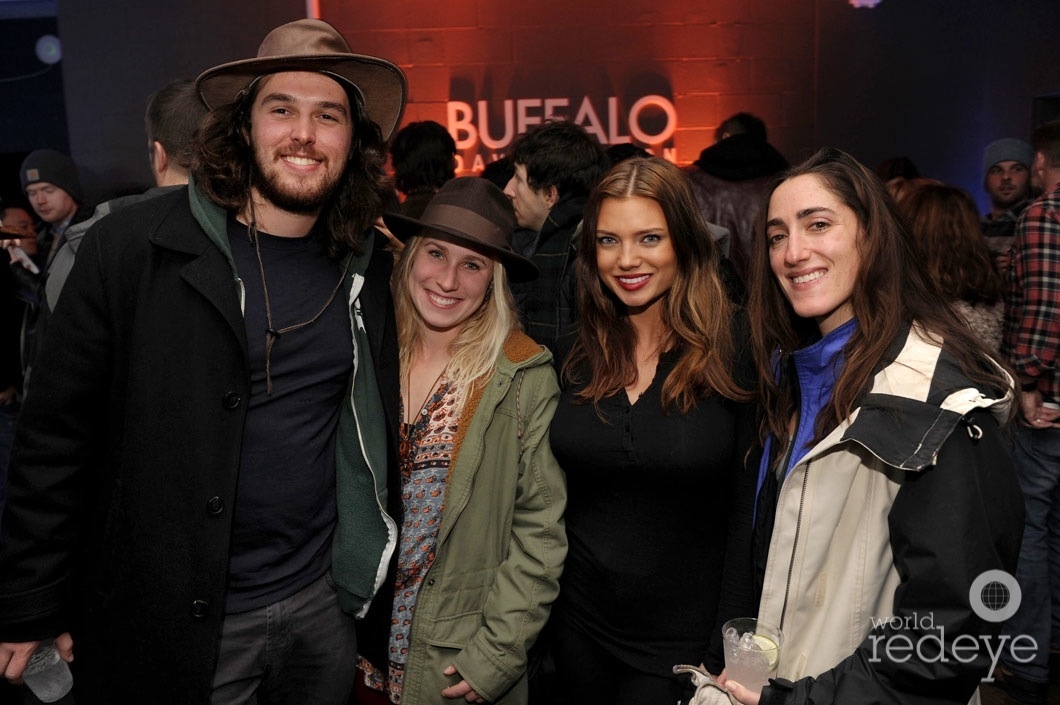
[(285, 501)]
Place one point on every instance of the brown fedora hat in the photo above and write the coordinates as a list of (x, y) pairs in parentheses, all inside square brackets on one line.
[(473, 212), (313, 45)]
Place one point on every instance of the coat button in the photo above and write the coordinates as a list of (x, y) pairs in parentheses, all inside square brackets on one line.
[(232, 400), (215, 506), (199, 609)]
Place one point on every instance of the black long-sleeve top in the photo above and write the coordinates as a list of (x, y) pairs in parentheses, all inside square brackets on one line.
[(652, 496)]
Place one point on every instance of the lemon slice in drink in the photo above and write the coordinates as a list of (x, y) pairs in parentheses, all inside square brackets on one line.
[(769, 649)]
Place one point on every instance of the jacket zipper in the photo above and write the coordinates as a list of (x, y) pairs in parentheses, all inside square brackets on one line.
[(391, 525), (794, 545)]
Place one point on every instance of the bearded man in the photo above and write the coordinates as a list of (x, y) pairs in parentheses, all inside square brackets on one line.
[(197, 496), (1007, 180)]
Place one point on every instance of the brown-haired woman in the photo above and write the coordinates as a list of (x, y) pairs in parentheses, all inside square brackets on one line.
[(944, 223), (887, 497), (652, 430)]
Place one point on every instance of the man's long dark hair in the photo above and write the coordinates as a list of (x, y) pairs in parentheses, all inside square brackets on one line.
[(224, 164)]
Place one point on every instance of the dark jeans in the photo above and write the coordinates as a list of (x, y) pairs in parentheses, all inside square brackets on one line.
[(1037, 457), (301, 650)]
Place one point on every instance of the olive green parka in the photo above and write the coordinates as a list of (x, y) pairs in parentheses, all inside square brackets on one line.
[(501, 543)]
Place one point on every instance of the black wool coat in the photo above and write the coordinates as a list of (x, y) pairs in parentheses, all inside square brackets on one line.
[(126, 456)]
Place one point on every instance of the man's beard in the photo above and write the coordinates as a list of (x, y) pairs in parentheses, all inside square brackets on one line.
[(1018, 196), (293, 195)]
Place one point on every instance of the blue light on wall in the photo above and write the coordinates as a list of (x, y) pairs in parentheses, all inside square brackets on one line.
[(49, 49)]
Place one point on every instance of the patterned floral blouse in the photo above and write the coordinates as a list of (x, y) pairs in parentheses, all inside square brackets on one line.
[(426, 455)]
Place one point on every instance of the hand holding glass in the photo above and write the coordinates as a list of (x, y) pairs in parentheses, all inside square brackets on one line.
[(47, 674), (752, 652)]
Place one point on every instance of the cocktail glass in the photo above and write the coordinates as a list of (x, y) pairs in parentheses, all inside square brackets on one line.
[(752, 651)]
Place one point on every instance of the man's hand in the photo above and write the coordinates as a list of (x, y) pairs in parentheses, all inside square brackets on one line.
[(1035, 414), (11, 239), (393, 244), (15, 655), (461, 689)]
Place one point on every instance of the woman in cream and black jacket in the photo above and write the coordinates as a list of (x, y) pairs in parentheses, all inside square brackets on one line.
[(887, 499)]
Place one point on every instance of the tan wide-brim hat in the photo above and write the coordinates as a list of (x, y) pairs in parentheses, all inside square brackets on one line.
[(473, 212), (313, 45)]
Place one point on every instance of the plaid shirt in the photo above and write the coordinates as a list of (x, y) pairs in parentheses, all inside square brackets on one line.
[(1032, 310)]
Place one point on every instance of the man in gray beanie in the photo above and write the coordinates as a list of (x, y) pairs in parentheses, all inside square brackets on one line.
[(1007, 179), (50, 181)]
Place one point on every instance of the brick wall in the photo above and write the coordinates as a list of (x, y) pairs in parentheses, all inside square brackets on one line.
[(936, 81), (710, 60)]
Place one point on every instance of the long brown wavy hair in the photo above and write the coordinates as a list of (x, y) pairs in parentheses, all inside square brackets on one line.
[(944, 223), (223, 168), (697, 311), (892, 290)]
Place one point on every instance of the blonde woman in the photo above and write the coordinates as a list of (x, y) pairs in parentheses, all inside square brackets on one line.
[(482, 542)]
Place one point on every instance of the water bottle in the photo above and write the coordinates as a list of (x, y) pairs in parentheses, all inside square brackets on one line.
[(46, 674)]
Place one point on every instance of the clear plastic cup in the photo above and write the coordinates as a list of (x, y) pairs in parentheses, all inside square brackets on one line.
[(752, 651)]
